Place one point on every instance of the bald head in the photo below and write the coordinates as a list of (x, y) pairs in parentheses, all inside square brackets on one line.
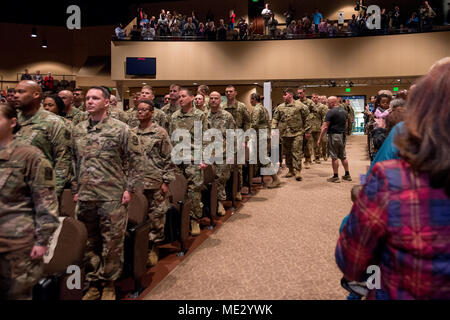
[(67, 98), (332, 102), (214, 101), (112, 100), (27, 97)]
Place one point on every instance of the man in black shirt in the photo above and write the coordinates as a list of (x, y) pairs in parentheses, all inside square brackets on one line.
[(335, 126)]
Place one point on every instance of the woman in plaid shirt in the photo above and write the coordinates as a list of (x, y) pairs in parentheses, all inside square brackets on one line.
[(401, 219)]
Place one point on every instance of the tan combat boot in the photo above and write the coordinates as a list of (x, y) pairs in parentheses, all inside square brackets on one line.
[(238, 196), (317, 161), (298, 175), (307, 164), (275, 182), (221, 210), (109, 292), (153, 256), (290, 174), (92, 294), (195, 228)]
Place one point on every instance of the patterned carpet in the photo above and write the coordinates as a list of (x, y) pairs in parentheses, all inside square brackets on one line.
[(279, 245)]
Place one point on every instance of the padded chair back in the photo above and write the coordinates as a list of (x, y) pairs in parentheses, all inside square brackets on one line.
[(67, 207), (178, 189), (69, 246), (137, 209), (209, 174)]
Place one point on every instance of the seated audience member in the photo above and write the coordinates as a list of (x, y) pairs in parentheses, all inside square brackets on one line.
[(222, 31), (144, 21), (135, 33), (413, 22), (148, 33), (201, 31), (48, 82), (120, 32), (211, 31), (25, 76), (400, 220), (243, 29), (38, 78)]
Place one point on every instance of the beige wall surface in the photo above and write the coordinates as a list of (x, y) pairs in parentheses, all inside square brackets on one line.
[(362, 57)]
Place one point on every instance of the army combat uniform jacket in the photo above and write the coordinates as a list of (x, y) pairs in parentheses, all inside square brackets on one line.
[(107, 160), (49, 133), (240, 114), (29, 206), (291, 119), (156, 150)]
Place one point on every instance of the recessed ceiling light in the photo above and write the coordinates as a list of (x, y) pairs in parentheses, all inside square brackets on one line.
[(44, 44), (195, 83)]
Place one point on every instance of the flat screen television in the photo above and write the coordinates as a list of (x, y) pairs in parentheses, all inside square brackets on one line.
[(141, 66)]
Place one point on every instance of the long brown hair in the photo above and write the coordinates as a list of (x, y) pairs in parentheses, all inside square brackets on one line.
[(425, 144)]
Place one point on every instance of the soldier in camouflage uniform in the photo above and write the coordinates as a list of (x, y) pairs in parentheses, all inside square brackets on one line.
[(158, 173), (106, 159), (324, 142), (185, 119), (71, 113), (200, 103), (291, 118), (307, 144), (173, 105), (28, 211), (204, 91), (116, 112), (54, 104), (316, 118), (351, 117), (166, 99), (242, 119), (45, 131), (221, 120), (260, 121), (78, 99), (159, 117)]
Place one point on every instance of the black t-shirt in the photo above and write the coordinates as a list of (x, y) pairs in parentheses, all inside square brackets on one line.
[(337, 118)]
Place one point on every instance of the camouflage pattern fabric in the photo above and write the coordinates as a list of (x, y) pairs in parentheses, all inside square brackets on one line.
[(293, 151), (291, 119), (106, 223), (117, 113), (48, 132), (158, 204), (107, 160), (76, 116), (159, 117)]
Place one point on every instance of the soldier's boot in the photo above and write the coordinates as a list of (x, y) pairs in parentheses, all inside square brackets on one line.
[(290, 174), (153, 255), (109, 292), (298, 175), (195, 228), (238, 196), (307, 163), (317, 160), (275, 182), (92, 294), (221, 210)]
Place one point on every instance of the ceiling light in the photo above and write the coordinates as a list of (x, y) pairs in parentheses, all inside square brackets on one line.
[(144, 83), (34, 32), (195, 83), (44, 44)]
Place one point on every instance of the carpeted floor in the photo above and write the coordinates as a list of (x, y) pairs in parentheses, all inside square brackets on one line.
[(280, 245)]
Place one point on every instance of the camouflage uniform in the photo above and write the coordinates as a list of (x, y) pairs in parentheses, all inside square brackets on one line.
[(292, 121), (117, 113), (259, 121), (28, 217), (76, 116), (169, 111), (242, 119), (350, 119), (221, 120), (323, 109), (307, 146), (316, 118), (49, 133), (157, 169), (193, 174), (82, 107), (159, 117), (106, 158)]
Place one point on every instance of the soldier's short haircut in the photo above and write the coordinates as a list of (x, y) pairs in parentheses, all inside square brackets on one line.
[(204, 89), (289, 90), (149, 103), (105, 92), (255, 96), (173, 85), (231, 86), (188, 91), (10, 112), (301, 88), (148, 88)]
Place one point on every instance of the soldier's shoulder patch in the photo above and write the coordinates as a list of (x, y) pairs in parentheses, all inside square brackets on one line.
[(135, 140), (48, 174)]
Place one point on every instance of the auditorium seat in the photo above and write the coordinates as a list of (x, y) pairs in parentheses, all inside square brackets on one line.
[(136, 239), (209, 194), (66, 249), (178, 216)]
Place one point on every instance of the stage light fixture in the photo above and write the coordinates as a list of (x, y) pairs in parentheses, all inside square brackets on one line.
[(34, 32), (44, 44)]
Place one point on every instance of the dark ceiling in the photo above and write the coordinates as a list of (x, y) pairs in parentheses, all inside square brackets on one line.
[(53, 13)]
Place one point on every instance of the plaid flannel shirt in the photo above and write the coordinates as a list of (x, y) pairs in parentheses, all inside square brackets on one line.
[(402, 225)]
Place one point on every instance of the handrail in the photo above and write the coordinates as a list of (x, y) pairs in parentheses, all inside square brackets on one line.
[(55, 76)]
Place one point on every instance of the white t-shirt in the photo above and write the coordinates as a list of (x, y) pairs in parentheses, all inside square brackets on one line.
[(266, 13)]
